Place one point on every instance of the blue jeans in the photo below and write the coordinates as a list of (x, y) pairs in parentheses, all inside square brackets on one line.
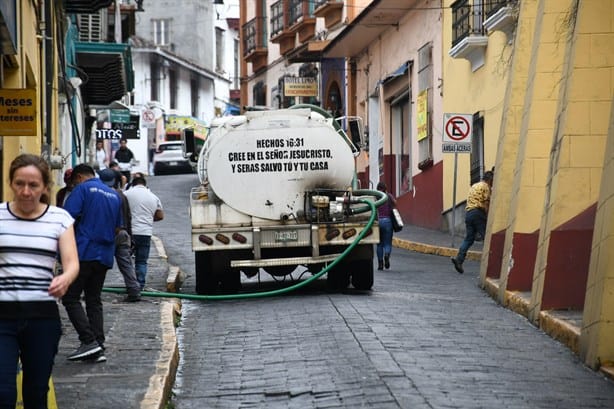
[(475, 222), (123, 258), (142, 244), (385, 238), (35, 341)]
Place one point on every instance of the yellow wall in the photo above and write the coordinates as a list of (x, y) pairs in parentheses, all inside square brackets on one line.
[(512, 144), (597, 340), (29, 73), (575, 179)]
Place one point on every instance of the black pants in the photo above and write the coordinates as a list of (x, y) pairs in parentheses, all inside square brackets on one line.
[(89, 322)]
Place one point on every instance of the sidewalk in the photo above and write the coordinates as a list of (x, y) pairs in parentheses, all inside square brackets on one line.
[(141, 349), (437, 242)]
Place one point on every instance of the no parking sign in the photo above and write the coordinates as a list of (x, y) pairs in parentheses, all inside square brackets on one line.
[(457, 131)]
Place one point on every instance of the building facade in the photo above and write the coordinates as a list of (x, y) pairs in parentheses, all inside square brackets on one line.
[(186, 66), (70, 59)]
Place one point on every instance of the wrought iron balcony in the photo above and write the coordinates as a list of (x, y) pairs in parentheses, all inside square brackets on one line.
[(254, 36), (330, 10), (255, 42), (468, 34)]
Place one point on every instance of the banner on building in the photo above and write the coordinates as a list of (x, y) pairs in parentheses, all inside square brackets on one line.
[(300, 87), (18, 112), (422, 115), (176, 123), (128, 128)]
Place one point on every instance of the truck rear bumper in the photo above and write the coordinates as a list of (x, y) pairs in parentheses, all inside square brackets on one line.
[(289, 261)]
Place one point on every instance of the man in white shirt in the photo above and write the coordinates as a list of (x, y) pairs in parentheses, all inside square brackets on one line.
[(145, 208), (101, 155)]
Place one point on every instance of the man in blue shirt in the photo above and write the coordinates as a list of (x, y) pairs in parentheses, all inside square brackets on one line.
[(96, 209)]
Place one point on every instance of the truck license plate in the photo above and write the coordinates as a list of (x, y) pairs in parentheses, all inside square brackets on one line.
[(287, 235), (172, 163)]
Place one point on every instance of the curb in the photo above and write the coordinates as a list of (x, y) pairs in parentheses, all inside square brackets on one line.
[(432, 249), (161, 382)]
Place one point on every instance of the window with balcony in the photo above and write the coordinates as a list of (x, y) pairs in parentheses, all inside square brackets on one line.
[(296, 11), (501, 15), (277, 18), (280, 33), (330, 10), (254, 35), (301, 18), (468, 34), (255, 42)]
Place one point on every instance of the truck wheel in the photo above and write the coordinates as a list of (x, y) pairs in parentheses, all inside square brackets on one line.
[(230, 282), (338, 278), (362, 274), (229, 278), (206, 279)]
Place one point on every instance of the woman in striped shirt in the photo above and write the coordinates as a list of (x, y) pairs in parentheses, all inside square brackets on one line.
[(32, 232)]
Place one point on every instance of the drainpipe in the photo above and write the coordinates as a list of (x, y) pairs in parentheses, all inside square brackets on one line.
[(48, 80)]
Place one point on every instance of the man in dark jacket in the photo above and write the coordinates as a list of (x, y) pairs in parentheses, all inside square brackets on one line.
[(124, 158)]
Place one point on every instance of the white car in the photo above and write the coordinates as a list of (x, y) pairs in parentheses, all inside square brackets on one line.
[(169, 158)]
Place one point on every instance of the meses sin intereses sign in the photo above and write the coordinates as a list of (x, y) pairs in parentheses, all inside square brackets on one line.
[(18, 112)]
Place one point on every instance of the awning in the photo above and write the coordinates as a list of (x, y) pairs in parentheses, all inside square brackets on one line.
[(86, 6), (377, 17), (231, 110), (402, 70), (106, 71)]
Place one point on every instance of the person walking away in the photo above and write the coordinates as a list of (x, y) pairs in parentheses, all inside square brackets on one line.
[(123, 240), (124, 157), (97, 209), (146, 209), (31, 233), (102, 159), (136, 175), (121, 178), (384, 215), (62, 194), (476, 211)]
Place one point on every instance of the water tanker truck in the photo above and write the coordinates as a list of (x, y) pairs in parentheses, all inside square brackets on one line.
[(278, 190)]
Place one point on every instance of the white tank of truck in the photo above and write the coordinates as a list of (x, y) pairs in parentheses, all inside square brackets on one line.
[(274, 194)]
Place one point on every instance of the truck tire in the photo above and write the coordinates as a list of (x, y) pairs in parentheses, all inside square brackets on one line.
[(206, 279), (362, 274), (230, 281), (228, 278), (338, 278)]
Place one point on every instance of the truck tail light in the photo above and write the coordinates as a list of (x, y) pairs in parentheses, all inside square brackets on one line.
[(222, 238), (349, 233), (331, 234), (205, 239), (239, 238)]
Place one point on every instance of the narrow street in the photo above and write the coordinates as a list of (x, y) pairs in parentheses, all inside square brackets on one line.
[(425, 337)]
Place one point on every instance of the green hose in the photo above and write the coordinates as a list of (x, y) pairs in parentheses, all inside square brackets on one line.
[(271, 293)]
